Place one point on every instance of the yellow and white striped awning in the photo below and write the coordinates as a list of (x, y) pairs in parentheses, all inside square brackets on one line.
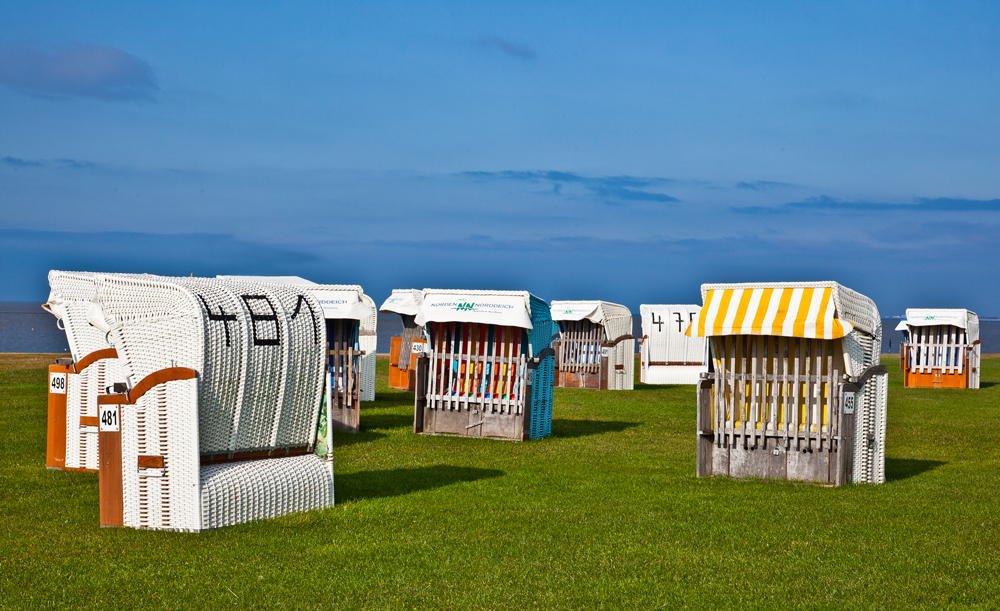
[(788, 312)]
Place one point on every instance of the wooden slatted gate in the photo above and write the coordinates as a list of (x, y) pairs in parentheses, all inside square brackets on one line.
[(474, 384), (578, 354), (772, 409), (938, 356), (343, 381)]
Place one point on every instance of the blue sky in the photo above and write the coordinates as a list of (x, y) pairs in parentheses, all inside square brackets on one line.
[(620, 151)]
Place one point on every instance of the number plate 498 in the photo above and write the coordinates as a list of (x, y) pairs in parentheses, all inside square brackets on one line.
[(57, 383), (108, 417)]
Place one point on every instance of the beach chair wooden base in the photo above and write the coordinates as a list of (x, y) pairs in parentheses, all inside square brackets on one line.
[(939, 357)]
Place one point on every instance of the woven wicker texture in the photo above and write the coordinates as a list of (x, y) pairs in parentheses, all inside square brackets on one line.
[(667, 355), (540, 338), (81, 400), (71, 296), (622, 354), (163, 423), (258, 350), (411, 330), (870, 413), (251, 343), (232, 493), (75, 291), (368, 342)]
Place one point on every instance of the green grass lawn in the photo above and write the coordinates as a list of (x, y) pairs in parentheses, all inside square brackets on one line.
[(605, 514)]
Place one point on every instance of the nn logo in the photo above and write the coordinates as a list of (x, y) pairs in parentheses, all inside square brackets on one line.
[(464, 307)]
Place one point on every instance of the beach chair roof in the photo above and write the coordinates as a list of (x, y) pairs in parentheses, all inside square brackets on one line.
[(924, 317), (403, 301), (615, 318), (594, 311), (931, 317), (258, 350), (817, 310), (507, 308)]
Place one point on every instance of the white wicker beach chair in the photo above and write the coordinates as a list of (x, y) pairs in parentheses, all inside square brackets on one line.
[(368, 342), (74, 387), (666, 354), (588, 330), (797, 390), (225, 381)]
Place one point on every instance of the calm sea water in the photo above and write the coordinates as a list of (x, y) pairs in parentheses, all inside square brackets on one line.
[(25, 327)]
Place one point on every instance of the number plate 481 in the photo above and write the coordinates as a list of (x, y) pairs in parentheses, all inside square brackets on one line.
[(108, 417)]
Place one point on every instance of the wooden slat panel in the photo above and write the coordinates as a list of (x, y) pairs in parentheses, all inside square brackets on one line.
[(150, 462)]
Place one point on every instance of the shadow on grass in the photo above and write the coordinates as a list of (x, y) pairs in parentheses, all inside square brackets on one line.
[(384, 400), (562, 427), (396, 482), (387, 421), (344, 438), (904, 468), (986, 384)]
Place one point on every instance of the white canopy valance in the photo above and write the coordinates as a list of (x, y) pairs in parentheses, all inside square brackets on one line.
[(341, 304), (507, 308), (916, 317), (403, 301), (577, 310)]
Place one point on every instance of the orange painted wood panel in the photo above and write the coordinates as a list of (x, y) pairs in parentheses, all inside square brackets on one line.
[(936, 379), (110, 482), (398, 378), (55, 440), (394, 345)]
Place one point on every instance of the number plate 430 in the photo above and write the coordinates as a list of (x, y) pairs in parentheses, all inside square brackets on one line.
[(109, 418)]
